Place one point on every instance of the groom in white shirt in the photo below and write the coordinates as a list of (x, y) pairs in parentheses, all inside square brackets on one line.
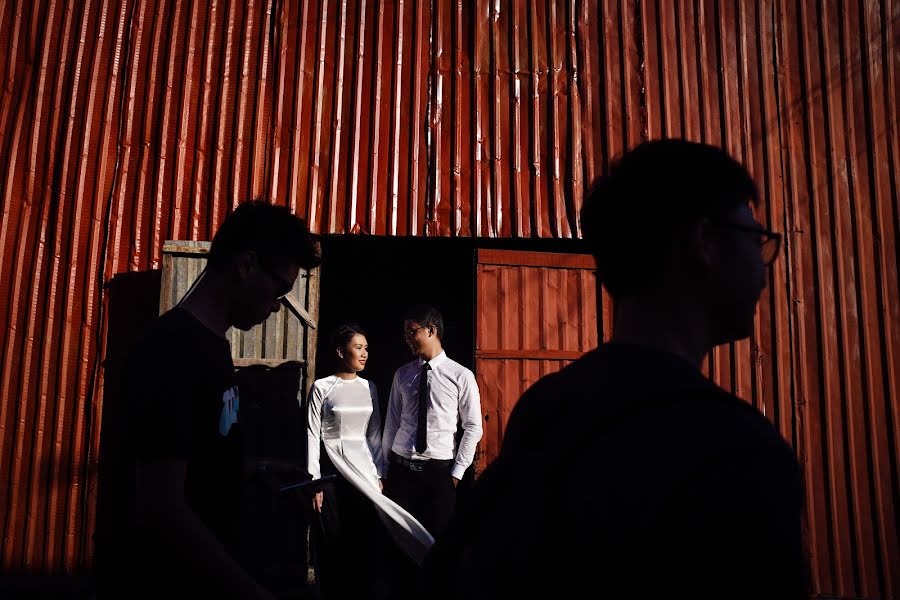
[(431, 397)]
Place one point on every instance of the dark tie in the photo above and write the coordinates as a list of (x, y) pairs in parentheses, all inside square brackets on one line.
[(422, 426)]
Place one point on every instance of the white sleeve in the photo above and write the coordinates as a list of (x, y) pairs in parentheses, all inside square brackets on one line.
[(470, 418), (314, 431), (373, 434), (392, 420)]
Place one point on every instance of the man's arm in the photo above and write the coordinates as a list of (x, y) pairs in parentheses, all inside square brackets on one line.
[(391, 422), (165, 514), (470, 419)]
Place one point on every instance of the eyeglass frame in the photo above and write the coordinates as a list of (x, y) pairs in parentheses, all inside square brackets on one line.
[(276, 277), (411, 332), (760, 230)]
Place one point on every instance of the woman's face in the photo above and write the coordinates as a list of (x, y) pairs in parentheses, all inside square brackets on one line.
[(355, 353)]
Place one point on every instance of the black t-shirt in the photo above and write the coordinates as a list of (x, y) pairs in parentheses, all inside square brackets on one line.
[(179, 382), (629, 474)]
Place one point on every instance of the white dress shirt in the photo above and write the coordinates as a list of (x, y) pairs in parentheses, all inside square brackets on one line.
[(453, 398)]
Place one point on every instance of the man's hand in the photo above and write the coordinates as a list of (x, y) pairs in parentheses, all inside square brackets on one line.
[(455, 481), (317, 501)]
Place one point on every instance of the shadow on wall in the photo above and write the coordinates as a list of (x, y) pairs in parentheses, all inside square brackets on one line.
[(133, 303)]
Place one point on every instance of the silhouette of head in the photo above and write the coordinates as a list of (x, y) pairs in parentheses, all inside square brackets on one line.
[(258, 251), (673, 217)]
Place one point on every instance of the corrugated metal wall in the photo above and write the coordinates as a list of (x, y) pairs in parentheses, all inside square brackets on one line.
[(126, 123)]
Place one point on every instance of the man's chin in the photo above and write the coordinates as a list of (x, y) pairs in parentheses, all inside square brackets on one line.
[(246, 326)]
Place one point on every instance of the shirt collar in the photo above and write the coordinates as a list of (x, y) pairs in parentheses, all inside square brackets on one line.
[(436, 361)]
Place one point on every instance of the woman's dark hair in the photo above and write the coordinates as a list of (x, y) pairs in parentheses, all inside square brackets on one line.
[(343, 333)]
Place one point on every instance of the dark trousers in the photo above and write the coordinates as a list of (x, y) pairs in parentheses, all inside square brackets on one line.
[(429, 495), (349, 539)]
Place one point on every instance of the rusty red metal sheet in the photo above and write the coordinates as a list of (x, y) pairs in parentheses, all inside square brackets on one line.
[(129, 122), (536, 312)]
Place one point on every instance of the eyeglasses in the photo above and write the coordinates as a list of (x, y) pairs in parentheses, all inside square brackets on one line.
[(769, 241), (411, 332), (284, 285)]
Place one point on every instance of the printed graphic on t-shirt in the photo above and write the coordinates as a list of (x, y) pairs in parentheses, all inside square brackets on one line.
[(231, 402)]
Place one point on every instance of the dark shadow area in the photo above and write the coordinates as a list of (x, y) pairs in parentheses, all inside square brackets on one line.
[(133, 303), (274, 525), (46, 587), (373, 280)]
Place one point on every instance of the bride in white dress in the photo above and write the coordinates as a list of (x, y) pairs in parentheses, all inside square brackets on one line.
[(345, 421)]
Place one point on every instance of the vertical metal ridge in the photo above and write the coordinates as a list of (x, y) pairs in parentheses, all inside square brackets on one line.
[(184, 222), (10, 260), (33, 364), (520, 181), (356, 221), (379, 158), (60, 469), (576, 183), (280, 117), (396, 100), (298, 191), (877, 70), (498, 121), (557, 77), (460, 221), (144, 183), (316, 166), (441, 27), (335, 224), (539, 214), (481, 190), (587, 39)]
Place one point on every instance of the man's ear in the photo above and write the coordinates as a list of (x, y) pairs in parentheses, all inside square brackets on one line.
[(700, 242), (245, 262)]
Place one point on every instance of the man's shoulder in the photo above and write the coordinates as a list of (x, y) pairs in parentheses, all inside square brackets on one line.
[(407, 370), (737, 424), (170, 332), (455, 368)]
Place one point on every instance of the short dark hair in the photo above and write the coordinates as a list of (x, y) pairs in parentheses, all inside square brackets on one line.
[(428, 315), (276, 235), (632, 216), (343, 333)]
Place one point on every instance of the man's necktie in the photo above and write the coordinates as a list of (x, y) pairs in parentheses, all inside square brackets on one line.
[(422, 426)]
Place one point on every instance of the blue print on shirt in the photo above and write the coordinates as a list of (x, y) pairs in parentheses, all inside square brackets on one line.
[(231, 402)]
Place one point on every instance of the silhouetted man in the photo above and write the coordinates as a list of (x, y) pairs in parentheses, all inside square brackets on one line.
[(628, 473), (180, 380)]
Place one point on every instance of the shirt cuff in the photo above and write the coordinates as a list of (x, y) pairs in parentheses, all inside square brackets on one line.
[(458, 471)]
